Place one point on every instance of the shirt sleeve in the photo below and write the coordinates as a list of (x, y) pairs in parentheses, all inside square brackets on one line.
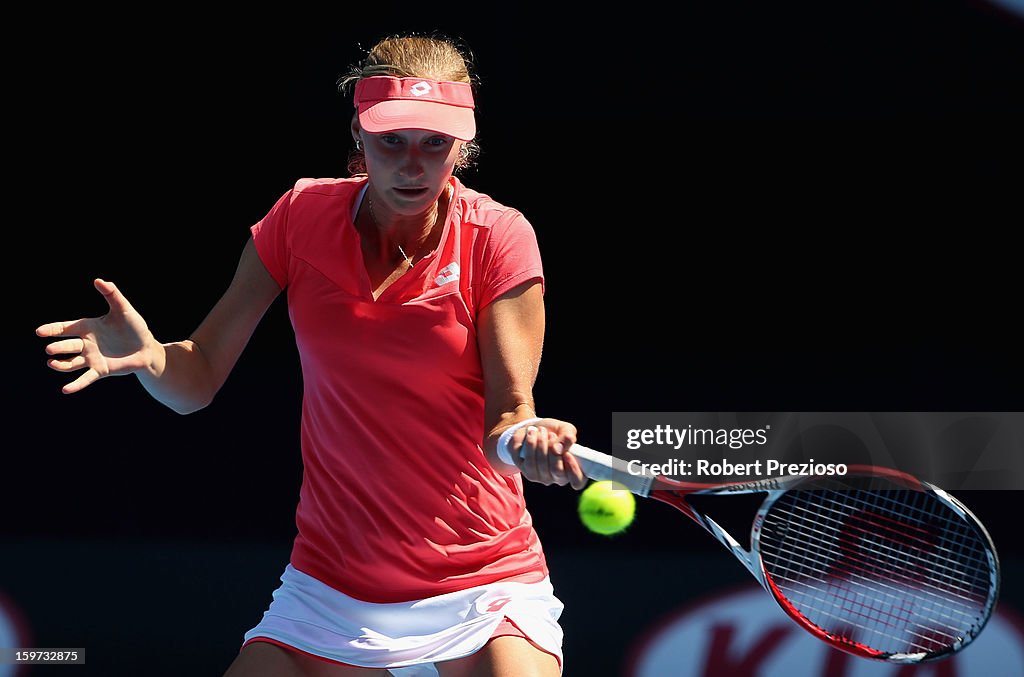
[(270, 235), (511, 258)]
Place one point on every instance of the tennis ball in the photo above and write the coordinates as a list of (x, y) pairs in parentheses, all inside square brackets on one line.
[(606, 507)]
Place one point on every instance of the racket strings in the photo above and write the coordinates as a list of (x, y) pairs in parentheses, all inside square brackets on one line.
[(924, 513), (800, 567), (871, 550), (866, 567), (898, 571), (889, 607), (893, 607), (916, 565)]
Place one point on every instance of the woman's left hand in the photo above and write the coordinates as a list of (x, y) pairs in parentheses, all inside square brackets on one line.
[(543, 453)]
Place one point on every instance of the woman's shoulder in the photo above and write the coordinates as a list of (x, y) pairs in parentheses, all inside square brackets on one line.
[(328, 186), (480, 209)]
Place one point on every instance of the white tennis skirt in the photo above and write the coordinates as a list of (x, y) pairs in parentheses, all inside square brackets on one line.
[(406, 637)]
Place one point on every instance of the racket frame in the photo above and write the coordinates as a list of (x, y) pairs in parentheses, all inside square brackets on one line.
[(599, 466)]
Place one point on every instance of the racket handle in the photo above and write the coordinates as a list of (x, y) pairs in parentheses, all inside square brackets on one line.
[(596, 465)]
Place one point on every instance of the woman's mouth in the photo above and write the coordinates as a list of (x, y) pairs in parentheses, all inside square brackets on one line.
[(411, 191)]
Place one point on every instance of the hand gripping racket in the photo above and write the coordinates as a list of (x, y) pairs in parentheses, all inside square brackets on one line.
[(874, 562)]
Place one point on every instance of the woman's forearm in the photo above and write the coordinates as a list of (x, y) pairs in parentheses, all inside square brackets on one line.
[(178, 376)]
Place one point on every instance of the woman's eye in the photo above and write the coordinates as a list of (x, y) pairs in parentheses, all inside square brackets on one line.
[(437, 141), (389, 139)]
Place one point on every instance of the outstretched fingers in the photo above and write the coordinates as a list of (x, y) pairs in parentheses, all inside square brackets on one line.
[(115, 299), (90, 376), (73, 364), (71, 345), (51, 329), (80, 344)]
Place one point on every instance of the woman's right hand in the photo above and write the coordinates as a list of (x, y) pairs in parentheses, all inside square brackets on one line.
[(116, 344)]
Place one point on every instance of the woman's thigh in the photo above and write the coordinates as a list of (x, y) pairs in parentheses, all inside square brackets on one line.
[(503, 657), (263, 659)]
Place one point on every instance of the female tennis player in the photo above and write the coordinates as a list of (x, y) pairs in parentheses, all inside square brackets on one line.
[(418, 312)]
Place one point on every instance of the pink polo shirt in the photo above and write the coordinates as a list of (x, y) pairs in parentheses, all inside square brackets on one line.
[(398, 501)]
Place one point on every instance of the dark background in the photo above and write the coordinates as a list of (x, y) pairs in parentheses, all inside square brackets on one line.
[(746, 207)]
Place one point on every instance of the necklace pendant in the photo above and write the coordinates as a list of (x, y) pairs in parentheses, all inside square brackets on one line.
[(404, 255)]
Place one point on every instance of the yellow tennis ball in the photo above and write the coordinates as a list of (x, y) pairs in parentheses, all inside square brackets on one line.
[(606, 507)]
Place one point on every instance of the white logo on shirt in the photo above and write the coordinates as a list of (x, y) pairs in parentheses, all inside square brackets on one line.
[(449, 273), (420, 88)]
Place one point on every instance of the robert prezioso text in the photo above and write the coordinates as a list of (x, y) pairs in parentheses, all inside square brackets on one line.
[(759, 468)]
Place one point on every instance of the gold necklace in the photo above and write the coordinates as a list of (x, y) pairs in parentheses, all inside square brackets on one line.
[(373, 217)]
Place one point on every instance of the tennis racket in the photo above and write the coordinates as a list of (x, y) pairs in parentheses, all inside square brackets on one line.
[(875, 562)]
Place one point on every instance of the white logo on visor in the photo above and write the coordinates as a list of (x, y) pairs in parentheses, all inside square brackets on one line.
[(420, 88), (449, 273)]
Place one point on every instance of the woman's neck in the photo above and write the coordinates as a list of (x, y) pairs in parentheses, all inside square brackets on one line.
[(388, 236)]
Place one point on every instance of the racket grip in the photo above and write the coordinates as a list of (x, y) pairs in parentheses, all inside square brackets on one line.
[(600, 466), (596, 465)]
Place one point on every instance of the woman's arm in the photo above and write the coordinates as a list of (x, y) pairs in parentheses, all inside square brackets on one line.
[(511, 338), (183, 375), (194, 370)]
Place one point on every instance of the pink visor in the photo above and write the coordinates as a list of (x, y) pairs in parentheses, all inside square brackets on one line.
[(386, 103)]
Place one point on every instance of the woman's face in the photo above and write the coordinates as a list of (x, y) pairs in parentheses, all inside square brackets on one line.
[(409, 168)]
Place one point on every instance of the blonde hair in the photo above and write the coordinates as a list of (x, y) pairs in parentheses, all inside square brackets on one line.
[(434, 57)]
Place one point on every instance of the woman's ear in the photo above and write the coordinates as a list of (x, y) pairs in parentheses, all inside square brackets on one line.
[(356, 129)]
